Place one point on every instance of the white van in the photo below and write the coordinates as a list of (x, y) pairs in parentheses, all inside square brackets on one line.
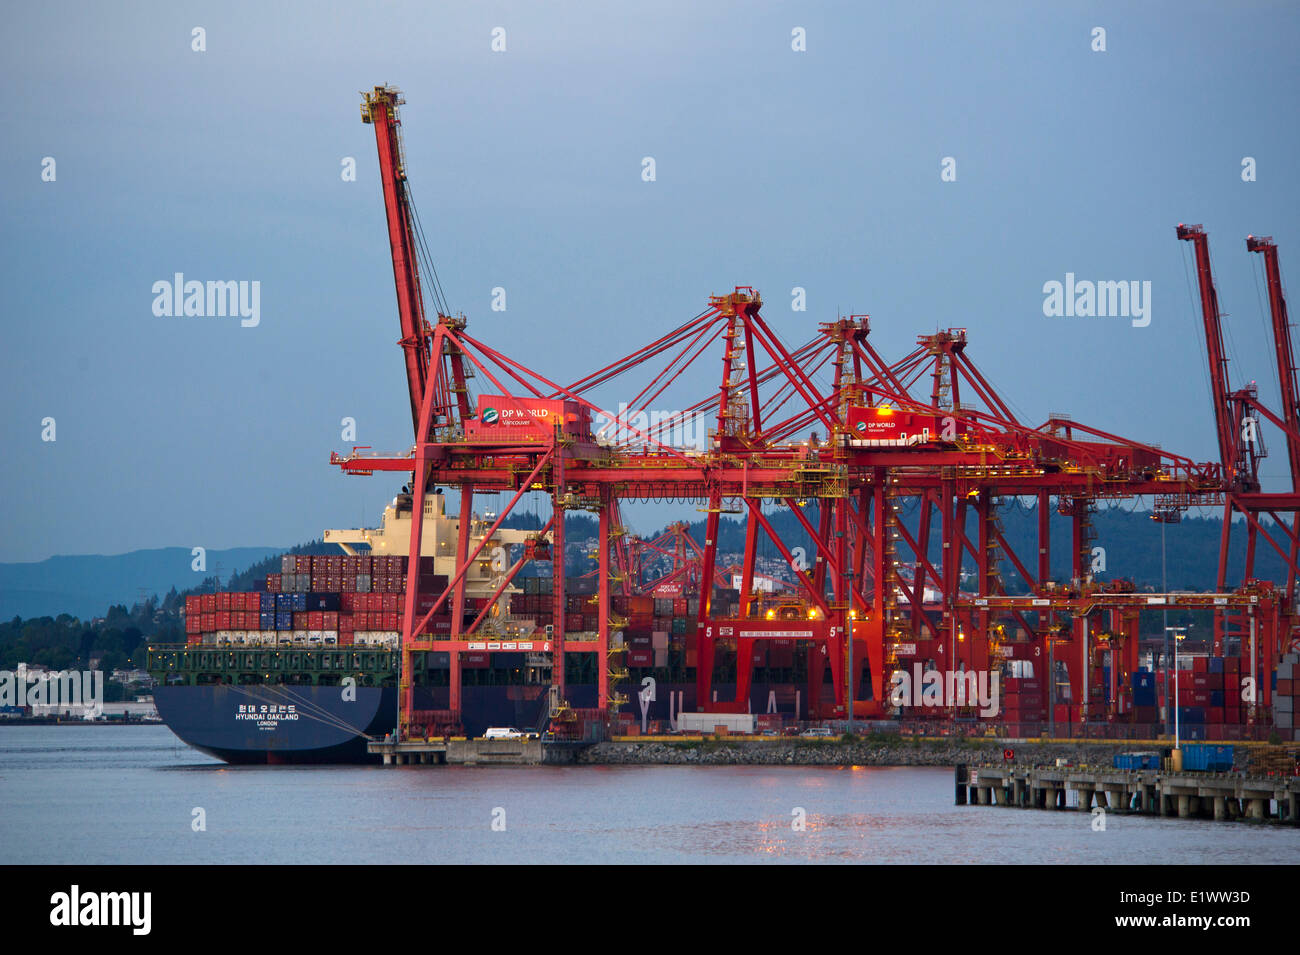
[(502, 732), (815, 731)]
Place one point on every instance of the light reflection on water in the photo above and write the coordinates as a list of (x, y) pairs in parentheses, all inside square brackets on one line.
[(125, 794)]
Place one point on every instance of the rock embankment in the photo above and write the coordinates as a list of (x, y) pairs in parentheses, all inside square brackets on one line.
[(896, 751)]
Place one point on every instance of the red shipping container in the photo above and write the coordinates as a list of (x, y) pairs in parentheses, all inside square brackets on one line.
[(1231, 665), (1284, 687), (389, 603), (209, 603), (194, 623), (223, 601), (475, 661), (349, 582), (315, 620), (318, 564), (272, 583), (346, 638), (1200, 664), (209, 621), (329, 620), (348, 602), (364, 565), (193, 604), (223, 620), (390, 621), (346, 623)]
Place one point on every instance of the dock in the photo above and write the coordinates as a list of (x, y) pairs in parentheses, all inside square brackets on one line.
[(1223, 796), (458, 751)]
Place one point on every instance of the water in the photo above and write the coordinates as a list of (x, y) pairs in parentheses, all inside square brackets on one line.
[(98, 794)]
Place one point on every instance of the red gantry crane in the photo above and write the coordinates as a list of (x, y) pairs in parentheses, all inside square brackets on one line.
[(846, 444)]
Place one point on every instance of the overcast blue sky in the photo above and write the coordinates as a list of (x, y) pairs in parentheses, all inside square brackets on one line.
[(775, 169)]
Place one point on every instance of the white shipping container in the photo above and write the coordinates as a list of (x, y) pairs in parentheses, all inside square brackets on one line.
[(707, 722)]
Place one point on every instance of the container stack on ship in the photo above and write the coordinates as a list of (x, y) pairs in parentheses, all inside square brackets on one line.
[(897, 600)]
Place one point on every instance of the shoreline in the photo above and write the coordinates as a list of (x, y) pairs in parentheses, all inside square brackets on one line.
[(867, 751)]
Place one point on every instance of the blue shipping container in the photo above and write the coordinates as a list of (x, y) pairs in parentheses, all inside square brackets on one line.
[(1216, 664), (268, 603), (1137, 760), (284, 621), (1212, 758), (283, 603)]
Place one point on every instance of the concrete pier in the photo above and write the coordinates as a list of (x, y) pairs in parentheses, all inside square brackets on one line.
[(1223, 797), (472, 752)]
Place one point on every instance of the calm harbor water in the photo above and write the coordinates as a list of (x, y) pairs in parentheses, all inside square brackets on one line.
[(71, 794)]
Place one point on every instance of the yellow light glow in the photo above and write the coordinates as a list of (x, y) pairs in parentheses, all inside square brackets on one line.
[(812, 614)]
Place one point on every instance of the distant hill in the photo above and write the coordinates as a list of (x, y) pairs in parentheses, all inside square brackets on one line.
[(85, 586)]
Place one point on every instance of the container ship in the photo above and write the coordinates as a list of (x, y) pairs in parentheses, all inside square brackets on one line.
[(305, 668)]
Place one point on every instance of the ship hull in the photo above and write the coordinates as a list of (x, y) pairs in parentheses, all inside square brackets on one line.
[(317, 724), (278, 724)]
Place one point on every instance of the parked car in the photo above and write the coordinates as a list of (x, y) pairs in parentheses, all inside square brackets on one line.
[(502, 732)]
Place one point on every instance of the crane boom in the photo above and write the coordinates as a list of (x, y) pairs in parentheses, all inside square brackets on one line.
[(1286, 370), (1236, 463), (379, 109)]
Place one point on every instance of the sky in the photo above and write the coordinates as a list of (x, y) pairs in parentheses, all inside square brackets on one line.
[(775, 168)]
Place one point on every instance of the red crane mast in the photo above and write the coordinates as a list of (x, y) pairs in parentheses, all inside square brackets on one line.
[(379, 109)]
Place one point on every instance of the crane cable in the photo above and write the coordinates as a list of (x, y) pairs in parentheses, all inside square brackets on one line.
[(422, 249)]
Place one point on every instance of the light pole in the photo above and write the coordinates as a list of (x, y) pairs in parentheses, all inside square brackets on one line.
[(848, 623), (1164, 588), (1180, 633)]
